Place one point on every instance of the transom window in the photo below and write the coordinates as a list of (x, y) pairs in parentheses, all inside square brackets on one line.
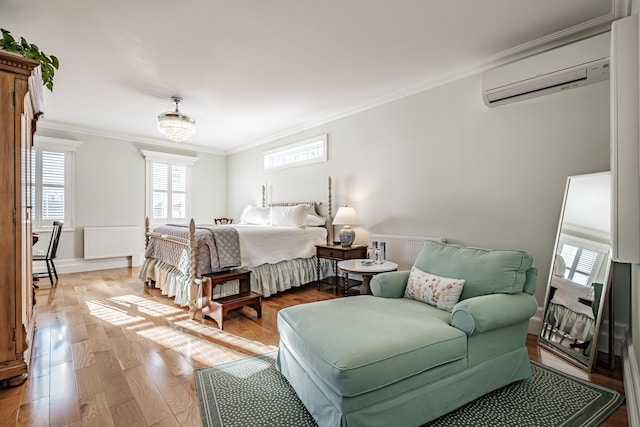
[(168, 187), (311, 150)]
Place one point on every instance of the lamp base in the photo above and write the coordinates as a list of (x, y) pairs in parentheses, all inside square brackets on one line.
[(347, 236)]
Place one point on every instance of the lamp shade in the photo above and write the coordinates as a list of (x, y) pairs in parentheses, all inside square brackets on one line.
[(559, 266), (346, 215)]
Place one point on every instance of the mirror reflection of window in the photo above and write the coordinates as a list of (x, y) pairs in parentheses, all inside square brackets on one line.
[(579, 262)]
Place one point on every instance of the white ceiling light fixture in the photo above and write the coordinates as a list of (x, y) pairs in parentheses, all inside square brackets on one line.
[(175, 125)]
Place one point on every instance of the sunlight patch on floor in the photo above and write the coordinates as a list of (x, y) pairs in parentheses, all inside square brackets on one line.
[(147, 306), (224, 337), (114, 315), (197, 349), (200, 342)]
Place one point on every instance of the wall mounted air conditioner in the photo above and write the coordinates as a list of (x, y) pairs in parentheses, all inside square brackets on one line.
[(566, 67)]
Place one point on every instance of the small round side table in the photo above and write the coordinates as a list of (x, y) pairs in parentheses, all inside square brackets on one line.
[(366, 270)]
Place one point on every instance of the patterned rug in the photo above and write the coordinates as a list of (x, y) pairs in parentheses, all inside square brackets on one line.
[(250, 392)]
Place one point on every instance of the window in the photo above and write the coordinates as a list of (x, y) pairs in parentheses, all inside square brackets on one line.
[(168, 185), (583, 261), (52, 181), (312, 150)]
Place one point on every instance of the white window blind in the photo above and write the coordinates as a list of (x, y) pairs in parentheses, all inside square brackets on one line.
[(580, 263), (51, 181), (168, 187), (169, 192)]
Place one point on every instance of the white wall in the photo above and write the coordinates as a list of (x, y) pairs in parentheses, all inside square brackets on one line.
[(110, 191), (440, 163)]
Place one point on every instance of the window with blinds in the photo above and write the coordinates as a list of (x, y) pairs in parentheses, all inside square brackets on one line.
[(51, 181), (169, 191), (49, 187), (168, 184), (580, 263)]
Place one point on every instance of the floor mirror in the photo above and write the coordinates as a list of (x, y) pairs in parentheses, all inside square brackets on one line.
[(579, 278)]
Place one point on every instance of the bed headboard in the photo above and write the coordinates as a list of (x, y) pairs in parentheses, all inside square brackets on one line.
[(313, 209)]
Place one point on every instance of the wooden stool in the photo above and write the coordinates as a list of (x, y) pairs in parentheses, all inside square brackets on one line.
[(216, 309)]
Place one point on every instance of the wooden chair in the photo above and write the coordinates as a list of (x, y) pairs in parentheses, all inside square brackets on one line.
[(221, 221), (51, 253)]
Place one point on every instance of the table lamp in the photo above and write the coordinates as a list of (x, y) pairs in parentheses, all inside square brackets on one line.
[(347, 217)]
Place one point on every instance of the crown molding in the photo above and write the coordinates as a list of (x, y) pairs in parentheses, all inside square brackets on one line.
[(66, 127), (619, 9)]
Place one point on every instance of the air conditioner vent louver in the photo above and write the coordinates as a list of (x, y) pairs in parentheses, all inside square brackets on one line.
[(567, 67)]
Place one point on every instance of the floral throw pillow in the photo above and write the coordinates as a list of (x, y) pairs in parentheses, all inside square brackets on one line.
[(440, 292)]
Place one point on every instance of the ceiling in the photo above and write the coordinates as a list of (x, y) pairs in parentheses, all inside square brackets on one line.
[(252, 71)]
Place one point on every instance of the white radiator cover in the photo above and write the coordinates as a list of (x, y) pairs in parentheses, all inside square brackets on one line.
[(112, 242), (403, 250)]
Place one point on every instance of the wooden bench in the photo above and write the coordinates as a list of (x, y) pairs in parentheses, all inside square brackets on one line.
[(216, 309)]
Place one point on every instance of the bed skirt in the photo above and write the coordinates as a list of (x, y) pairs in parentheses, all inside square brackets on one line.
[(266, 279), (576, 325)]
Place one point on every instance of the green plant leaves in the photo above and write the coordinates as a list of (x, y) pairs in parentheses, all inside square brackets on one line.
[(48, 64)]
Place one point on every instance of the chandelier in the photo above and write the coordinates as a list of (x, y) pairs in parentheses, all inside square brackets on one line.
[(175, 125)]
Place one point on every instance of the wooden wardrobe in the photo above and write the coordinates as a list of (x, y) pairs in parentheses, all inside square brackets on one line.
[(20, 106)]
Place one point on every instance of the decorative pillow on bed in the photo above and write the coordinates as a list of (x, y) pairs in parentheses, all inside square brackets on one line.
[(289, 216), (315, 221), (440, 292), (255, 216)]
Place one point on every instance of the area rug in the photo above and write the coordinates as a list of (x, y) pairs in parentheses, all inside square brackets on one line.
[(251, 392)]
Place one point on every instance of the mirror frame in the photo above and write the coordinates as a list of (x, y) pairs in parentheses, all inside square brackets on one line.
[(605, 294)]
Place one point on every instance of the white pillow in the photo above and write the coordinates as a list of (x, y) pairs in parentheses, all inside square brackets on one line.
[(289, 216), (440, 292), (242, 215), (315, 221), (255, 216)]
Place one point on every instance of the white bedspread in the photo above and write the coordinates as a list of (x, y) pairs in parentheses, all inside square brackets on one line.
[(567, 294), (271, 244)]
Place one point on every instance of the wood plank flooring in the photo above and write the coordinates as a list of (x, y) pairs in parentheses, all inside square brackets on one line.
[(109, 352)]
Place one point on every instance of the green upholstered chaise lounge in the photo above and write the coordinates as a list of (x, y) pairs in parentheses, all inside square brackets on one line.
[(388, 360)]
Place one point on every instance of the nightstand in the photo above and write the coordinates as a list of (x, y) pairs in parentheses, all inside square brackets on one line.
[(338, 253)]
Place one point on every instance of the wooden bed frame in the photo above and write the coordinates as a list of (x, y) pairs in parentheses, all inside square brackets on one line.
[(191, 243)]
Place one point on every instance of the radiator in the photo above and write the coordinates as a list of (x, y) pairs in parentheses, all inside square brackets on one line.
[(112, 242), (403, 250)]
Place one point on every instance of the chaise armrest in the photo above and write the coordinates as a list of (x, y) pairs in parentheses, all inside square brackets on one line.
[(487, 312), (389, 285)]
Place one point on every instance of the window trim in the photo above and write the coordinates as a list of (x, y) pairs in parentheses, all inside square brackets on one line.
[(172, 159), (69, 148), (283, 150)]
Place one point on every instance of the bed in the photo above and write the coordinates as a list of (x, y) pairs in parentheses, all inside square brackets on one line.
[(269, 240), (567, 314)]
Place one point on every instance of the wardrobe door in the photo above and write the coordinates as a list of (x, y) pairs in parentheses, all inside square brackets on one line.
[(8, 212)]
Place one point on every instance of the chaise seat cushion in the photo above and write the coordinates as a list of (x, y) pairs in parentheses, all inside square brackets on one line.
[(352, 358)]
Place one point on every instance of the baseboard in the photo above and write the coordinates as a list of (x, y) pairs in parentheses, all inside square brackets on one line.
[(535, 323), (631, 375), (79, 265)]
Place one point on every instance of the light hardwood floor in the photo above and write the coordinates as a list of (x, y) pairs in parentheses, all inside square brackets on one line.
[(110, 352)]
